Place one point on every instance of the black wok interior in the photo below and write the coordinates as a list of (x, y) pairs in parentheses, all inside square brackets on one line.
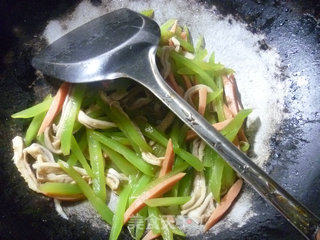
[(292, 27)]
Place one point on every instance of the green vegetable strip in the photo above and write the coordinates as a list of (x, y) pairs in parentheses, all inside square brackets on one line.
[(77, 126), (119, 137), (214, 95), (165, 31), (121, 163), (122, 120), (154, 219), (119, 213), (199, 44), (40, 139), (175, 133), (35, 110), (232, 129), (185, 71), (75, 101), (209, 156), (141, 223), (185, 184), (155, 135), (166, 232), (130, 129), (200, 52), (139, 187), (228, 178), (123, 140), (215, 177), (218, 103), (207, 79), (210, 68), (83, 143), (72, 160), (158, 150), (180, 166), (244, 146), (60, 188), (96, 202), (34, 128), (167, 201), (148, 13), (189, 158), (182, 136), (185, 44), (97, 164), (152, 133), (175, 229), (79, 155), (126, 152), (212, 59)]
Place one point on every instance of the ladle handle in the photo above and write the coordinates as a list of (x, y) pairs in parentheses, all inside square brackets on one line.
[(297, 214)]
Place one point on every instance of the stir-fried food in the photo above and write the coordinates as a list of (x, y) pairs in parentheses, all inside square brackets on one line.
[(89, 140)]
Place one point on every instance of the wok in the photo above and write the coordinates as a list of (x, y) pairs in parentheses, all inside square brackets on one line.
[(292, 27)]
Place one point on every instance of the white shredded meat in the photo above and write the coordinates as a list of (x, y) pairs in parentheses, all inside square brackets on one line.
[(198, 194), (194, 89), (113, 179), (22, 164), (152, 159), (57, 206), (203, 212), (92, 123), (51, 141)]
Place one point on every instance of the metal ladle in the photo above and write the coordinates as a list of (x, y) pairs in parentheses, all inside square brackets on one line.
[(123, 43)]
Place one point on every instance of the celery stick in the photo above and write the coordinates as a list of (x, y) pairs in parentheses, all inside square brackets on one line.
[(228, 178), (75, 101), (60, 188), (166, 232), (121, 163), (72, 160), (232, 129), (154, 219), (214, 95), (185, 44), (34, 128), (193, 65), (175, 229), (126, 152), (152, 133), (34, 110), (167, 201), (141, 223), (165, 31), (215, 177), (97, 164), (75, 149), (189, 158), (99, 205), (185, 184), (119, 213)]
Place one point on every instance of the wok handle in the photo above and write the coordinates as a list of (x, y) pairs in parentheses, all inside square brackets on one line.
[(298, 215)]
